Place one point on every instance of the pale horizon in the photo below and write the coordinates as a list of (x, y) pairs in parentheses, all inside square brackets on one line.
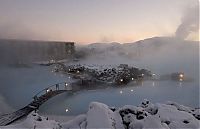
[(94, 21)]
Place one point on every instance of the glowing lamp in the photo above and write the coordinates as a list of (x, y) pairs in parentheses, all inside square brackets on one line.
[(181, 75)]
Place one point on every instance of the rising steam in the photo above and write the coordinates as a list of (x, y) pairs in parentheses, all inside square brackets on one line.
[(189, 23)]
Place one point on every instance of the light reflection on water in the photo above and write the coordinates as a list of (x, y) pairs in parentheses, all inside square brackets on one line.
[(26, 82), (158, 91)]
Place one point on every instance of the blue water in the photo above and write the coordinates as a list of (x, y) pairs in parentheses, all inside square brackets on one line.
[(160, 91), (19, 85)]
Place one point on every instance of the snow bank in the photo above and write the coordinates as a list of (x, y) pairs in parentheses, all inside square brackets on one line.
[(34, 121), (170, 115), (145, 116), (78, 122), (100, 116)]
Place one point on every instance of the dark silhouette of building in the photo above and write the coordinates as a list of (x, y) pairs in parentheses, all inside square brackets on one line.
[(21, 51)]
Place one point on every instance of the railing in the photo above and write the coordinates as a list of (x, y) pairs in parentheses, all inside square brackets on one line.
[(55, 87)]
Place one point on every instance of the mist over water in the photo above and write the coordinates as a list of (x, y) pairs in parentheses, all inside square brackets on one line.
[(161, 55)]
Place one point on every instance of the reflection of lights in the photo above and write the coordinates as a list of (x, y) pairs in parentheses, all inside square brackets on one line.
[(180, 83), (153, 83), (132, 78), (121, 80), (142, 83), (66, 110), (121, 92), (131, 90), (181, 79)]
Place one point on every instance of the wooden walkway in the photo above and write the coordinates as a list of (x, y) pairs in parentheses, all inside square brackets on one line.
[(39, 99)]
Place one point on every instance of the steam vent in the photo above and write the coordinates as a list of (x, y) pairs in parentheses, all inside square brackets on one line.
[(20, 51)]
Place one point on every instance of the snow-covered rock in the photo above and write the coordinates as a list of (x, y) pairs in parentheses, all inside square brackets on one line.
[(145, 116), (78, 122), (35, 121), (149, 115), (100, 116)]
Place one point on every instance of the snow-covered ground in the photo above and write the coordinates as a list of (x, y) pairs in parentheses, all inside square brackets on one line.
[(169, 115)]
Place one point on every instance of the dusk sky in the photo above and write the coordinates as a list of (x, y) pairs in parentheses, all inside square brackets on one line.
[(88, 21)]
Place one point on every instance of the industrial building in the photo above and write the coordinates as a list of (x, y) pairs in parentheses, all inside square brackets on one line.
[(21, 51)]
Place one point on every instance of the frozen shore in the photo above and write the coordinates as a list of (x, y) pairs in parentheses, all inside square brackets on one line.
[(169, 115)]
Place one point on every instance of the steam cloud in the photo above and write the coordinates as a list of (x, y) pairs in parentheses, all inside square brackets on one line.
[(189, 23)]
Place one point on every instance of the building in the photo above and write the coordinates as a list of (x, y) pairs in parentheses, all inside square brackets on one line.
[(21, 51)]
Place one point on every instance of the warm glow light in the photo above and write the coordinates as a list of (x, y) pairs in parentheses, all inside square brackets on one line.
[(181, 75)]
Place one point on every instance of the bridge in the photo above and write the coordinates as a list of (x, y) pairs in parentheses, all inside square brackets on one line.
[(38, 100)]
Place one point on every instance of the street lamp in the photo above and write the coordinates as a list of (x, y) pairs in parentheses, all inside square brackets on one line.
[(181, 75)]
